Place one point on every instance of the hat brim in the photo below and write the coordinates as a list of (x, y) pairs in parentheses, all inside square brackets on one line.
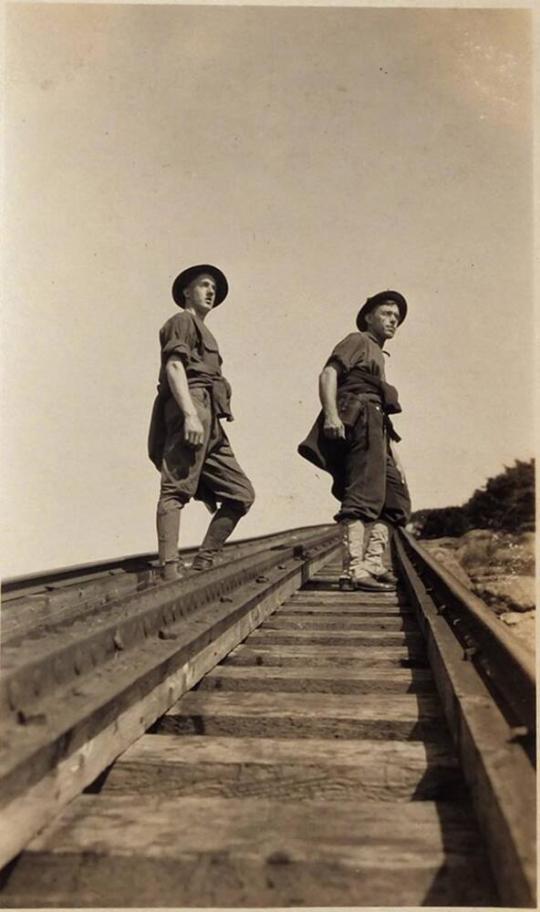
[(381, 298), (187, 275)]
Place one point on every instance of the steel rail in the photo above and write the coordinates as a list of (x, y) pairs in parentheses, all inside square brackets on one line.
[(130, 563), (73, 704), (67, 595), (496, 760), (509, 667), (33, 666)]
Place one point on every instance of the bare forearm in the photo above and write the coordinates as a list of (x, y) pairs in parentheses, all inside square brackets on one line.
[(328, 392), (178, 383), (333, 425), (193, 428)]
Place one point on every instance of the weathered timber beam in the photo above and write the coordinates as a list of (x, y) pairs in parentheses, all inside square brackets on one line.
[(90, 723), (497, 769), (37, 665), (510, 667)]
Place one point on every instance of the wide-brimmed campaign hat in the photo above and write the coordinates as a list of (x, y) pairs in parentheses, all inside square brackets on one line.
[(381, 298), (182, 281)]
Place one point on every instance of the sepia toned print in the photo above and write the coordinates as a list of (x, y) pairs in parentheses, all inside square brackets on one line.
[(322, 695)]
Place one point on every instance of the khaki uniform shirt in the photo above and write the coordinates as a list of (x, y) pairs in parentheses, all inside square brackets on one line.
[(186, 335), (357, 350)]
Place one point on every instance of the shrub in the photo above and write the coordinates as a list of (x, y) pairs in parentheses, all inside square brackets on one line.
[(504, 504)]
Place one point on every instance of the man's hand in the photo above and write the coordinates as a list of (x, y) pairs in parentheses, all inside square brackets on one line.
[(176, 375), (193, 430), (334, 428)]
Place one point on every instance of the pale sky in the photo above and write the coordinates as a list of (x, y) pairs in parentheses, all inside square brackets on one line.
[(317, 156)]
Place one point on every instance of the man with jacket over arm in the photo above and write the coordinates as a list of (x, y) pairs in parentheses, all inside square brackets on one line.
[(353, 439), (186, 442)]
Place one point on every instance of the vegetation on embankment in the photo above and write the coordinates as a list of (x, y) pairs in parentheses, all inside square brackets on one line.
[(488, 544), (499, 568), (504, 504)]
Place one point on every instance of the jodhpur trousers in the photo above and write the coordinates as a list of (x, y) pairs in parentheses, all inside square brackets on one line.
[(210, 469), (373, 487)]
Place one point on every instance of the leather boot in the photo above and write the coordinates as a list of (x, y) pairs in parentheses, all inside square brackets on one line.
[(369, 583), (221, 526), (168, 530), (357, 575), (170, 572)]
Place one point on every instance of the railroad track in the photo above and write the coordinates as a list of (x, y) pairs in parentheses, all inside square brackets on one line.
[(39, 599), (252, 736)]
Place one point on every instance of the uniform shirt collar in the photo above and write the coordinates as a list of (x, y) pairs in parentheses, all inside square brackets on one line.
[(377, 343)]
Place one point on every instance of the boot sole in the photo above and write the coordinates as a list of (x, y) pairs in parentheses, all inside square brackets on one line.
[(384, 587)]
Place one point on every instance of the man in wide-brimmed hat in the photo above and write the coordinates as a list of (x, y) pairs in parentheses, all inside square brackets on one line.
[(186, 441), (353, 439)]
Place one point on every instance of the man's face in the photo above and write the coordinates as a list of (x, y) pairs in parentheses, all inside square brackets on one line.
[(383, 320), (200, 294)]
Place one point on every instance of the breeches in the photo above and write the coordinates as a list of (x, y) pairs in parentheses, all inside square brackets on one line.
[(210, 471), (373, 487)]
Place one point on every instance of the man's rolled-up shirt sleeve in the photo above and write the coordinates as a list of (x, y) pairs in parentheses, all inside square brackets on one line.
[(347, 353), (178, 337)]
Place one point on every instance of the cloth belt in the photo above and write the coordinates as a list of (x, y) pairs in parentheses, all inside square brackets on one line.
[(219, 391), (367, 387)]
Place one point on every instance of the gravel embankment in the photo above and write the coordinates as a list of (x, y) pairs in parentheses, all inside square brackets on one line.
[(498, 568)]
